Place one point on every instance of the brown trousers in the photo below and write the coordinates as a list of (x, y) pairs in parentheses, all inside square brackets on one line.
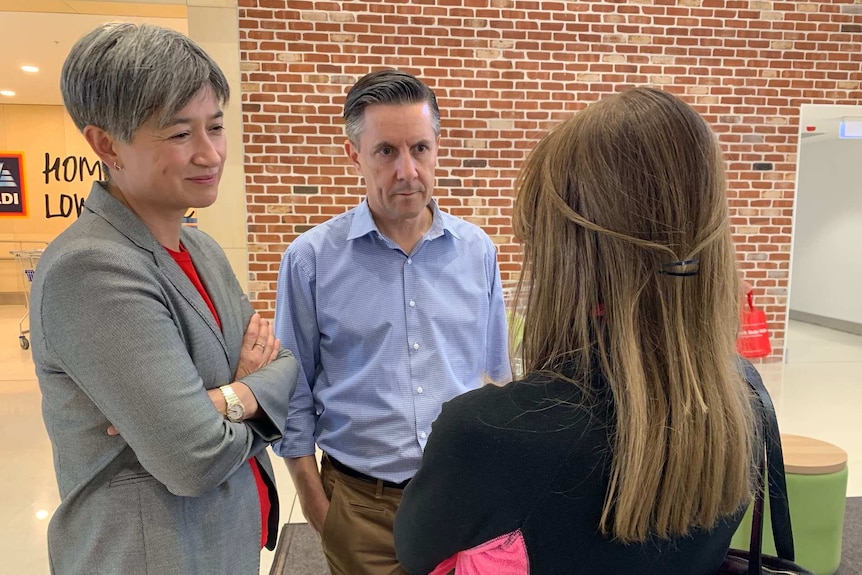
[(357, 534)]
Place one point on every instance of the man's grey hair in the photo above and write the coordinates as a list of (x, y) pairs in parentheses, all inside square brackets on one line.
[(119, 75), (388, 87)]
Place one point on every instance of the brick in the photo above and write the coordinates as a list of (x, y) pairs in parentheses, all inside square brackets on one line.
[(342, 17), (449, 182), (313, 16), (486, 54)]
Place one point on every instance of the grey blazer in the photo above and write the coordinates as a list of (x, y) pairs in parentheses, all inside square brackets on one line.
[(121, 336)]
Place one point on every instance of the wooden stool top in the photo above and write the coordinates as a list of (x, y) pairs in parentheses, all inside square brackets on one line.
[(809, 456)]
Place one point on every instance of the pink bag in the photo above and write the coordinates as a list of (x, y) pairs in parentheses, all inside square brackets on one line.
[(505, 555)]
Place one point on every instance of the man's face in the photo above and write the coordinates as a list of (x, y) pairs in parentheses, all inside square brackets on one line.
[(397, 155)]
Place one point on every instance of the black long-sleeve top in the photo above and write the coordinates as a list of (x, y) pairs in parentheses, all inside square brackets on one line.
[(532, 458)]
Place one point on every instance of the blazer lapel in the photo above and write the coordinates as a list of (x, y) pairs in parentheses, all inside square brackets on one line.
[(102, 203), (186, 288), (229, 312), (211, 273)]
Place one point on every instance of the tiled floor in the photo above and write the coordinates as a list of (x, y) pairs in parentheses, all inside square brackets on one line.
[(817, 393)]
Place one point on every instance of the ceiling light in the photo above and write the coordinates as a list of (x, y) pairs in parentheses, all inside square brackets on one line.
[(9, 93), (42, 514), (31, 69)]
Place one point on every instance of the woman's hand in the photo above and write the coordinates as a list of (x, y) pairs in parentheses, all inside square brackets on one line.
[(259, 346)]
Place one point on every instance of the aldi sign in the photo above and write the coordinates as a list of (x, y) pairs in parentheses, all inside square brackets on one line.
[(12, 194)]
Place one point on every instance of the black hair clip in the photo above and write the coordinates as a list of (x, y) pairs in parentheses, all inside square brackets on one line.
[(671, 268)]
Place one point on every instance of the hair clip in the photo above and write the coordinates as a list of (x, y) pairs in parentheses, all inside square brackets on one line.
[(670, 269)]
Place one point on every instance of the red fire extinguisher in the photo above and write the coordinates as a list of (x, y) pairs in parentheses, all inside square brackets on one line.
[(753, 340)]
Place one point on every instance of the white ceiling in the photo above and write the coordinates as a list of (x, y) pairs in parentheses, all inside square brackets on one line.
[(43, 40), (41, 32)]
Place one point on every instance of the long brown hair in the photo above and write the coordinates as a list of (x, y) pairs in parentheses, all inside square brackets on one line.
[(610, 206)]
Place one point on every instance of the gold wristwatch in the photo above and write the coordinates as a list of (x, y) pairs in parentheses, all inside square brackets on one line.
[(234, 410)]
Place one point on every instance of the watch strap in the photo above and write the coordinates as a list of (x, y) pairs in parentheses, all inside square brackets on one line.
[(231, 399)]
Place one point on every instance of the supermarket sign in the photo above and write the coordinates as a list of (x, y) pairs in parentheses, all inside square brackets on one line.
[(12, 194)]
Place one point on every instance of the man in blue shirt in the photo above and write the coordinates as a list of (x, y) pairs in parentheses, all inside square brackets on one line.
[(392, 308)]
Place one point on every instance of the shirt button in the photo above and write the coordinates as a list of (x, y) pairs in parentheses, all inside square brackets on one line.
[(409, 260), (412, 303), (419, 389), (415, 346), (423, 435)]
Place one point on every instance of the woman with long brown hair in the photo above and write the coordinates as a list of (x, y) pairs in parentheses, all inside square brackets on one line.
[(628, 446)]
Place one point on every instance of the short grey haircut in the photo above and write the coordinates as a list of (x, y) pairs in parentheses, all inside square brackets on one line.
[(119, 75), (388, 87)]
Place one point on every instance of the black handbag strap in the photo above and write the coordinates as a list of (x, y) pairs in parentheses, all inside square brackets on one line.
[(755, 545), (771, 476)]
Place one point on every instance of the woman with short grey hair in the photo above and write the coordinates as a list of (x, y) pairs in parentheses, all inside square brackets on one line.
[(161, 387)]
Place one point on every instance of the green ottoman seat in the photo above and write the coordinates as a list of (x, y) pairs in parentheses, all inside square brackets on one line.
[(816, 473)]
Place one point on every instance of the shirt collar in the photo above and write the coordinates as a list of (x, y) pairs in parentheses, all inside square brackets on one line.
[(363, 223)]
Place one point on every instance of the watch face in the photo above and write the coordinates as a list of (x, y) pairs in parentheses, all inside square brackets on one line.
[(235, 412)]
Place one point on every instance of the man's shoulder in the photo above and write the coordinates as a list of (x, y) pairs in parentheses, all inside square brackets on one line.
[(464, 228), (332, 231)]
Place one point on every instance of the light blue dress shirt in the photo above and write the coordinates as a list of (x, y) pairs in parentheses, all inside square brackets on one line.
[(383, 338)]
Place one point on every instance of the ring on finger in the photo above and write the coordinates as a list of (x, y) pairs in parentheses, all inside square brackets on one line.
[(258, 344)]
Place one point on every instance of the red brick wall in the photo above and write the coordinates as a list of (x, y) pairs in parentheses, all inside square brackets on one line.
[(506, 70)]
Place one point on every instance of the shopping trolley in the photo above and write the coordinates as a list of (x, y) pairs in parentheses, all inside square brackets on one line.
[(27, 260)]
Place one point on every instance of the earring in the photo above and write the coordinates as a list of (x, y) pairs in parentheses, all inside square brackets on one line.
[(117, 167)]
